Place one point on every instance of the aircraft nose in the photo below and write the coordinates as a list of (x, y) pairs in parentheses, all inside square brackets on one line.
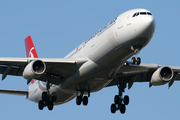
[(147, 27), (149, 22)]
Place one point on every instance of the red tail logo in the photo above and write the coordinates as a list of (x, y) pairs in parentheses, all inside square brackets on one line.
[(30, 51)]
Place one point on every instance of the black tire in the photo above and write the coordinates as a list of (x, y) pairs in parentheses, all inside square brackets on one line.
[(113, 108), (133, 60), (78, 100), (54, 98), (85, 100), (41, 105), (116, 99), (50, 105), (122, 109), (126, 100), (138, 61), (44, 96)]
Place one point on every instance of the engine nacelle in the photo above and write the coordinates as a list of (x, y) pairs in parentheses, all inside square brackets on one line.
[(34, 69), (162, 76)]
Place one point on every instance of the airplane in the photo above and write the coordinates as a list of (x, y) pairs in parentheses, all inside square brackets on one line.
[(100, 61)]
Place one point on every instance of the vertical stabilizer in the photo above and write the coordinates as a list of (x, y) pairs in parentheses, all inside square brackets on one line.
[(30, 49)]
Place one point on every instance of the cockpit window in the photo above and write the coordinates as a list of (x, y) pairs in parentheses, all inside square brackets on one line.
[(141, 13), (136, 14), (149, 13)]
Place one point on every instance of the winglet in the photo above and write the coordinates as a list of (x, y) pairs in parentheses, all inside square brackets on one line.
[(30, 49)]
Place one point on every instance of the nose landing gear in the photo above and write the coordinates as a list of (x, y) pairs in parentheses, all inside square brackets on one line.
[(136, 59)]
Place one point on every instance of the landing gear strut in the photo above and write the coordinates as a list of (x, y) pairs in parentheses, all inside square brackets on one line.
[(47, 99), (82, 99), (136, 59), (120, 102)]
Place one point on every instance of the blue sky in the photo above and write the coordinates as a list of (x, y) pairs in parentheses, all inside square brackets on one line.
[(57, 27)]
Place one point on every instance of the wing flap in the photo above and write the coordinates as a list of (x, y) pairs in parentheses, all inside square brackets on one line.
[(13, 71)]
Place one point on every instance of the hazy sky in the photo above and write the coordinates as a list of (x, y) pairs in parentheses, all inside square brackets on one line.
[(57, 27)]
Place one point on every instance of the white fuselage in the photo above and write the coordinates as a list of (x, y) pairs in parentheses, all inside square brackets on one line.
[(106, 51)]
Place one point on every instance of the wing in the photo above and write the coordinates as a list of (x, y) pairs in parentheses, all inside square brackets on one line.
[(130, 73), (32, 66), (56, 67)]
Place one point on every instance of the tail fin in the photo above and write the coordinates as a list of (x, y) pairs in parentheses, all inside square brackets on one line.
[(30, 49), (30, 52)]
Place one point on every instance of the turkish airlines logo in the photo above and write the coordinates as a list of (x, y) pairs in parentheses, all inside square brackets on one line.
[(30, 52)]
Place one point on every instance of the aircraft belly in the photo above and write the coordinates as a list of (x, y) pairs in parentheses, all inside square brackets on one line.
[(90, 76), (62, 96)]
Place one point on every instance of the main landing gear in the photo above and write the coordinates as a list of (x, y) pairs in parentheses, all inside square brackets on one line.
[(47, 99), (136, 60), (82, 99), (120, 102)]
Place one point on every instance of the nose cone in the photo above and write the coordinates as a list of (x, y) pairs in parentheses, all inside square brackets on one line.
[(147, 27), (149, 23), (144, 26)]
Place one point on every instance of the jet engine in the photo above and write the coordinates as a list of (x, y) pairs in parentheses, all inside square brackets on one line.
[(162, 76), (34, 69)]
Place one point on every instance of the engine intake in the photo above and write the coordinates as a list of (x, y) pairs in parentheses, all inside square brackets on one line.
[(34, 69), (162, 76)]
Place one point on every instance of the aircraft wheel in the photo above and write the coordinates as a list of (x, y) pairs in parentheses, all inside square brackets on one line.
[(41, 105), (133, 60), (126, 100), (54, 98), (44, 96), (122, 108), (138, 61), (85, 100), (113, 108), (116, 99), (78, 100), (50, 105)]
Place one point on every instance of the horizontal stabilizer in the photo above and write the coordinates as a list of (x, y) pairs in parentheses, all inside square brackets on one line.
[(14, 92)]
